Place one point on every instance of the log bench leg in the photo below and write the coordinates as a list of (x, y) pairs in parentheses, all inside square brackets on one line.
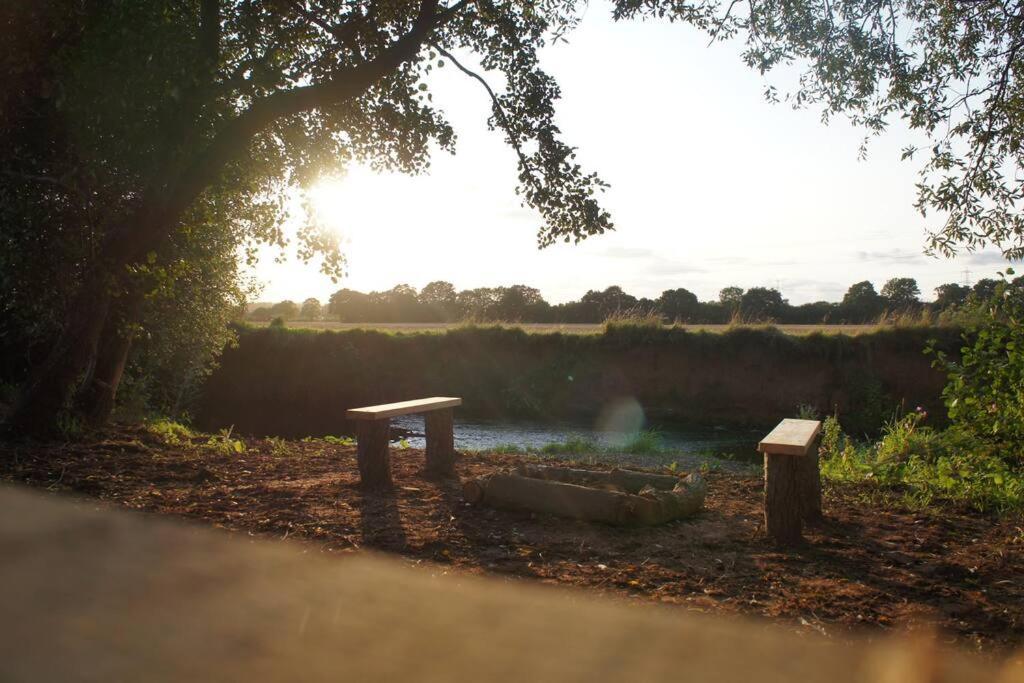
[(373, 454), (440, 430), (782, 498), (809, 485)]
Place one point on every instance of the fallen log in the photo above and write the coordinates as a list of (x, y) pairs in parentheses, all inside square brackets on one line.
[(629, 481), (650, 506)]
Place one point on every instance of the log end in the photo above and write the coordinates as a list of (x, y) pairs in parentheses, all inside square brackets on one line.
[(473, 490)]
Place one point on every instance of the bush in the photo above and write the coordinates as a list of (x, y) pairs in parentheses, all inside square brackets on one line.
[(985, 393), (925, 466)]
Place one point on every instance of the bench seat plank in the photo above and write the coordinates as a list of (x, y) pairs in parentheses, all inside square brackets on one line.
[(791, 437), (386, 410)]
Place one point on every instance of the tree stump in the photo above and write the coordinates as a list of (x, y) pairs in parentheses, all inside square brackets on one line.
[(373, 454), (440, 428)]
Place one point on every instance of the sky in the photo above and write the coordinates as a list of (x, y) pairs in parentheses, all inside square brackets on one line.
[(711, 186)]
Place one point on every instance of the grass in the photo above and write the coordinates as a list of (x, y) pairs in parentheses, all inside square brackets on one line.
[(923, 467)]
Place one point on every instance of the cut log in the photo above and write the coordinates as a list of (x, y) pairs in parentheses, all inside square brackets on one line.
[(782, 507), (512, 491), (372, 453), (809, 485), (627, 480), (440, 431), (652, 506)]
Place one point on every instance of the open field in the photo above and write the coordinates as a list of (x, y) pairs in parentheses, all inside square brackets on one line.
[(569, 328), (869, 567)]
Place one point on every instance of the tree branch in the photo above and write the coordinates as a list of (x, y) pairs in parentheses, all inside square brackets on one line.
[(209, 33), (498, 110), (347, 84)]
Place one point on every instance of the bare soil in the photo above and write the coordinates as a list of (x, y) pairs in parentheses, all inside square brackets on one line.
[(867, 567)]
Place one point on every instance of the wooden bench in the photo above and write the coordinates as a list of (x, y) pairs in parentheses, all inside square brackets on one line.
[(373, 428), (792, 479)]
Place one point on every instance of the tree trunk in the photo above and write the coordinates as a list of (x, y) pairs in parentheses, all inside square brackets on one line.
[(373, 454), (782, 507), (98, 397), (440, 430), (50, 389)]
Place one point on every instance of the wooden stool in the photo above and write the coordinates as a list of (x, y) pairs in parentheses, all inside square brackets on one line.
[(792, 479)]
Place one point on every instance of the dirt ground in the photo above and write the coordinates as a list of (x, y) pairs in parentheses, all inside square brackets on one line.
[(866, 567)]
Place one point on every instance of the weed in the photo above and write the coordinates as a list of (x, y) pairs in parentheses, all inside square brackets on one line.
[(574, 445), (169, 432), (647, 442), (278, 446), (223, 444), (923, 466), (507, 449)]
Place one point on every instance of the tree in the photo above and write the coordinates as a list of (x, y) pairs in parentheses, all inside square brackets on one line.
[(984, 289), (761, 304), (678, 305), (730, 297), (311, 310), (901, 293), (478, 304), (286, 310), (608, 302), (175, 103), (950, 295), (861, 303), (348, 305), (439, 298), (520, 303), (260, 315)]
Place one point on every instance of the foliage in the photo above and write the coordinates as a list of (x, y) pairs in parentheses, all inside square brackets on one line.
[(311, 310), (901, 293), (922, 466), (985, 392), (169, 432), (224, 444)]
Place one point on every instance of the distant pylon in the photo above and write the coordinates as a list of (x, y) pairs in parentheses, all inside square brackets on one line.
[(967, 277)]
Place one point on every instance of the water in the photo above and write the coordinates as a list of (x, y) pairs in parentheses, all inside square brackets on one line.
[(690, 445)]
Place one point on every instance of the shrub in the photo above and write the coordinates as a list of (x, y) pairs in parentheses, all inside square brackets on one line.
[(925, 466), (985, 392)]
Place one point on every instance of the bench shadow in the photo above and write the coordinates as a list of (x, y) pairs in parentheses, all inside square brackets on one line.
[(380, 521)]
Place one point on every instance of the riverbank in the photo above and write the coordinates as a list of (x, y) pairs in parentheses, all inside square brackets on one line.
[(296, 383), (868, 567)]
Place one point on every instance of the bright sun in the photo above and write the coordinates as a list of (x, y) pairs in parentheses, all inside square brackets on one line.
[(378, 220)]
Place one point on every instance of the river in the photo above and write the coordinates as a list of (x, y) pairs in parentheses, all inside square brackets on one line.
[(683, 445)]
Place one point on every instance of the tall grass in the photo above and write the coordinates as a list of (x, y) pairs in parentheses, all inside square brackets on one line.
[(633, 318), (922, 466), (923, 317)]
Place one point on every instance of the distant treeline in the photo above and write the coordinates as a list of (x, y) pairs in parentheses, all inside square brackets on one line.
[(441, 302)]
